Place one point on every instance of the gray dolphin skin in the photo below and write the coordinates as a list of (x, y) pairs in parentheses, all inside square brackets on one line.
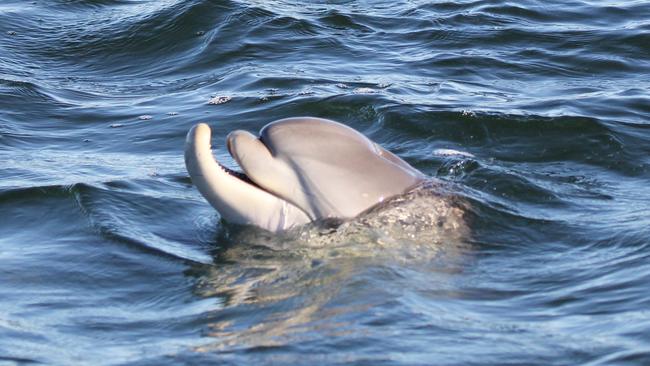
[(298, 170)]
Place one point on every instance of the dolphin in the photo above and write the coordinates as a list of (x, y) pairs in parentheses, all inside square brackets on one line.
[(297, 170)]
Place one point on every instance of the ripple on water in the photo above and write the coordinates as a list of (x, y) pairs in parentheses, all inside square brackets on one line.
[(109, 253)]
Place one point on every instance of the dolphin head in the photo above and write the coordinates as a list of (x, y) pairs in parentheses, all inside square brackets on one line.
[(298, 170)]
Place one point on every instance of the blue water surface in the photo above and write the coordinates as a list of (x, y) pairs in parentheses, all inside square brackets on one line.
[(109, 255)]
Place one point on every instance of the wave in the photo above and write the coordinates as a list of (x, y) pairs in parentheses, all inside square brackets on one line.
[(120, 216)]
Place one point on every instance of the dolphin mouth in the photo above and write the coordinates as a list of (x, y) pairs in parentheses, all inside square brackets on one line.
[(245, 148), (235, 196), (240, 175)]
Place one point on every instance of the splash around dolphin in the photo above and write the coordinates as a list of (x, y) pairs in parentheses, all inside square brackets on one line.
[(297, 171)]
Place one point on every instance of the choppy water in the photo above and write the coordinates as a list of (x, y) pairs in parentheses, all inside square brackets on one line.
[(108, 254)]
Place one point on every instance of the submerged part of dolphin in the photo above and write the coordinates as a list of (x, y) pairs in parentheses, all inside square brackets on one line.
[(298, 170)]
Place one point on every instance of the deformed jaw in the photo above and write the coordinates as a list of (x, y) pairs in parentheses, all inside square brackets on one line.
[(299, 170), (233, 196)]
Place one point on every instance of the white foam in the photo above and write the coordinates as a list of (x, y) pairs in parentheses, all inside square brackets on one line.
[(451, 152), (221, 99)]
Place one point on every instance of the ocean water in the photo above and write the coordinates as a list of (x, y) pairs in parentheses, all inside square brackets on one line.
[(536, 113)]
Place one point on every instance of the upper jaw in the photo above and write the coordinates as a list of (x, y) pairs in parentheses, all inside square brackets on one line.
[(267, 171)]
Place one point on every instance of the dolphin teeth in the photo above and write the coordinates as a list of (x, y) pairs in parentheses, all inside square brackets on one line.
[(239, 175)]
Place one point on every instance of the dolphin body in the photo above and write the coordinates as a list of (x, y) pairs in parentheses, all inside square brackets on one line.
[(297, 171)]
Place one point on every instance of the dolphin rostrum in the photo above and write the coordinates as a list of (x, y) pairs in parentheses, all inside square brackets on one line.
[(298, 170)]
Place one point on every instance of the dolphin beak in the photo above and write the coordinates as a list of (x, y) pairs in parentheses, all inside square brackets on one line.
[(236, 198)]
